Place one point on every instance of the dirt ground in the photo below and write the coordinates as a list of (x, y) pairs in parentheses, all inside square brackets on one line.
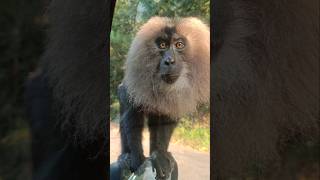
[(192, 164)]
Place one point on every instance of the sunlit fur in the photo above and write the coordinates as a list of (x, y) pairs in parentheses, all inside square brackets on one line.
[(145, 87)]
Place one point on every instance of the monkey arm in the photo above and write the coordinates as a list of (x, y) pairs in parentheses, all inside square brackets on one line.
[(131, 126), (161, 129), (124, 104)]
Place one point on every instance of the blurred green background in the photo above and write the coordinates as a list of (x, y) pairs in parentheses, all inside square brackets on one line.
[(22, 37), (129, 16)]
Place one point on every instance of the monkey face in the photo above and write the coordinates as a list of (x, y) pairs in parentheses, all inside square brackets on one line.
[(168, 66), (170, 47)]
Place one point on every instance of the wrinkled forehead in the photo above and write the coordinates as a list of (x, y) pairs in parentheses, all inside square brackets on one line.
[(170, 33), (161, 28)]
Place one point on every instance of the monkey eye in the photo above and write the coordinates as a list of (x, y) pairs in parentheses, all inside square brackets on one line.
[(179, 45), (162, 45)]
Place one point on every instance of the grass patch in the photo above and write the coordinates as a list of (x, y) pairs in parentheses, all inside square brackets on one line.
[(193, 134)]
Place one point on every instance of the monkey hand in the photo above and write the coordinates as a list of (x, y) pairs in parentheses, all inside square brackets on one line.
[(136, 161), (164, 164)]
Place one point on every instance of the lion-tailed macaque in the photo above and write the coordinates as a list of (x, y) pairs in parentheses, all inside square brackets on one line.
[(166, 76)]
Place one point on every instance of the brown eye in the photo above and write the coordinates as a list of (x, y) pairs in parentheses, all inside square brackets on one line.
[(179, 45), (162, 45)]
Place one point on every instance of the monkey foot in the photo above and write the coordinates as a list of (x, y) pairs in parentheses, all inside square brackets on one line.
[(132, 162)]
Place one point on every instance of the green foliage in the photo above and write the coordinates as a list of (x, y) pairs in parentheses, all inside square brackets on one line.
[(176, 8), (129, 16), (114, 111)]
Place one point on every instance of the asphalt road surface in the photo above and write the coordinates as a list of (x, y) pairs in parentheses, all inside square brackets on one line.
[(192, 164)]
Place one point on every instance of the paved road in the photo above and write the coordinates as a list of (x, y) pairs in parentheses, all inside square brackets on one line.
[(193, 165)]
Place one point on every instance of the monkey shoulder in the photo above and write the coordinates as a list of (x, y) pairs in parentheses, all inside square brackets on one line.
[(122, 93), (125, 103)]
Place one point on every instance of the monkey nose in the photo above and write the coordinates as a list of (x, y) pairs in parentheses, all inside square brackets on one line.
[(169, 61)]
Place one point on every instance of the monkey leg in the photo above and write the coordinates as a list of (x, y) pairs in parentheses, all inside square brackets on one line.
[(161, 129), (131, 126)]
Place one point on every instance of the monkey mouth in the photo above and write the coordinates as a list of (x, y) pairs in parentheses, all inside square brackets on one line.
[(169, 78)]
